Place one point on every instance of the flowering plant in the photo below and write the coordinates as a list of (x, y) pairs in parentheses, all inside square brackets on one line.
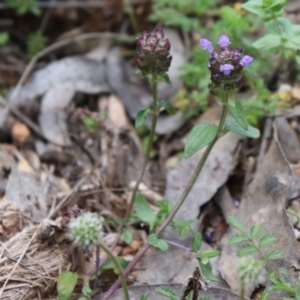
[(86, 230), (226, 66)]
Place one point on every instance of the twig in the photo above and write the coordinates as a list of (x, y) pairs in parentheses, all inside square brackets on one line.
[(265, 137), (62, 43), (74, 4), (23, 118), (65, 199), (15, 266)]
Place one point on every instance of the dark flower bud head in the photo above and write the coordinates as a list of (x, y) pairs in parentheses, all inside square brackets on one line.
[(225, 65), (153, 55)]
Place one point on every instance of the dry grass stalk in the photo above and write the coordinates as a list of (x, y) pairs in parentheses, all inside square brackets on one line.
[(35, 276)]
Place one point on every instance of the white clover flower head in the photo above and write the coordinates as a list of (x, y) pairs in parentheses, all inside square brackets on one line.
[(251, 272), (86, 230)]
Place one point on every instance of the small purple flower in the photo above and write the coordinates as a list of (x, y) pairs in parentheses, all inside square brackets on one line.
[(226, 69), (206, 45), (216, 76), (246, 61), (224, 41)]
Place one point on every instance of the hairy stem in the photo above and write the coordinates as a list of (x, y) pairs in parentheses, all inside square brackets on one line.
[(117, 265), (155, 112), (179, 203), (155, 108)]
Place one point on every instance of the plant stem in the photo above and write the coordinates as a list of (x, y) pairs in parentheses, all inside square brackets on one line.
[(131, 15), (117, 265), (196, 172), (178, 204), (155, 108), (155, 112), (97, 267), (242, 295)]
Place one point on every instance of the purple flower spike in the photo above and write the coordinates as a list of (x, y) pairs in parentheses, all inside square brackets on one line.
[(226, 69), (225, 65), (246, 61), (206, 45), (224, 41)]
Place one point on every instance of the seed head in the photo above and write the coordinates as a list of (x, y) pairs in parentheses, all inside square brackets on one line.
[(86, 230), (251, 272), (153, 53)]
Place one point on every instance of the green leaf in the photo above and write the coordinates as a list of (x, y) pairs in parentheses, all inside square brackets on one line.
[(83, 298), (267, 42), (207, 270), (292, 212), (109, 265), (274, 254), (154, 241), (166, 207), (4, 37), (204, 260), (86, 290), (277, 5), (281, 27), (166, 292), (169, 107), (267, 239), (246, 250), (90, 124), (164, 78), (66, 282), (200, 136), (144, 297), (205, 298), (238, 113), (237, 223), (255, 6), (237, 238), (36, 42), (144, 211), (127, 235), (182, 226), (209, 253), (141, 117), (256, 230), (232, 125), (297, 293), (264, 295), (282, 271), (196, 241)]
